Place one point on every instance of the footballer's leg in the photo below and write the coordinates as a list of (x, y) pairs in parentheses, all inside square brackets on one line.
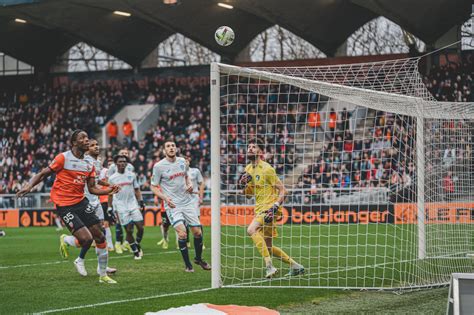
[(85, 239), (71, 216), (139, 237), (102, 253), (193, 222), (131, 240), (254, 230), (196, 230), (269, 233), (108, 232), (183, 247)]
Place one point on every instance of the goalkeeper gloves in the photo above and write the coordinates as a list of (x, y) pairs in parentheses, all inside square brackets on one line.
[(270, 213), (244, 179), (111, 214), (142, 205)]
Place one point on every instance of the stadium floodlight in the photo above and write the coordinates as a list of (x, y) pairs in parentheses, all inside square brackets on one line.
[(225, 5), (367, 156), (122, 13), (20, 21)]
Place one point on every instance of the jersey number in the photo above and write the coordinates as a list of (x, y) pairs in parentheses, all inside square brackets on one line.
[(68, 217)]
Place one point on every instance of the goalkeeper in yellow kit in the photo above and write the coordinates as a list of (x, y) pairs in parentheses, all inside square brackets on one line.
[(260, 180)]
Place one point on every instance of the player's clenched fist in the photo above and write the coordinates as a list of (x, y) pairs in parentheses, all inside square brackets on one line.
[(244, 179)]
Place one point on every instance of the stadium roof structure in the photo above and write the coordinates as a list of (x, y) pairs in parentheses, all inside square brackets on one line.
[(53, 26)]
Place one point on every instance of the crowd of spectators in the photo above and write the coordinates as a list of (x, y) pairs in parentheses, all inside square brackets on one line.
[(383, 156), (36, 124)]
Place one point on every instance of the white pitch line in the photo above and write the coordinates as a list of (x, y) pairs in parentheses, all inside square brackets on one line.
[(66, 261), (123, 301)]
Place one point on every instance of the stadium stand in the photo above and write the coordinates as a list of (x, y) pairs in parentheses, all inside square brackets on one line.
[(36, 123)]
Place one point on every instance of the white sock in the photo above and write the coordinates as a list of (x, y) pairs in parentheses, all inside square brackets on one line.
[(102, 260), (58, 223), (108, 237), (70, 240), (79, 259)]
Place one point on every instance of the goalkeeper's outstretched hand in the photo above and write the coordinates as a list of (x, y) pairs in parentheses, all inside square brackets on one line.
[(244, 179), (270, 213)]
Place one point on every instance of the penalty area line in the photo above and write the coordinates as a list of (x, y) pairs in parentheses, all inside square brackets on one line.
[(123, 301)]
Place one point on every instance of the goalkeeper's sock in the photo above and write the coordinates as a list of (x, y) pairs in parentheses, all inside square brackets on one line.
[(118, 233), (278, 252), (262, 247), (183, 248), (198, 247)]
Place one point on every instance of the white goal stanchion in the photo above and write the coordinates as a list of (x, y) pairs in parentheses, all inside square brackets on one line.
[(379, 175)]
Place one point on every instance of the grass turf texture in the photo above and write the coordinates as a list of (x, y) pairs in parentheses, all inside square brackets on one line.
[(51, 283)]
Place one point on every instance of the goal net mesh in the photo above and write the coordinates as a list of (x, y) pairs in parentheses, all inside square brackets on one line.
[(379, 175)]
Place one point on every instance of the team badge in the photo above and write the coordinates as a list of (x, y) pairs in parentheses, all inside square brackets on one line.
[(257, 177)]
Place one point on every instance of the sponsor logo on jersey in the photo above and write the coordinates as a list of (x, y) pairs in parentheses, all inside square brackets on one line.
[(177, 175)]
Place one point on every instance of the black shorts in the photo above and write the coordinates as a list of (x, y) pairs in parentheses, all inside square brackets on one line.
[(78, 215), (164, 219), (105, 206)]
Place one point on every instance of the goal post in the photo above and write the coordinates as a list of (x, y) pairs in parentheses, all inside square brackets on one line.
[(379, 176)]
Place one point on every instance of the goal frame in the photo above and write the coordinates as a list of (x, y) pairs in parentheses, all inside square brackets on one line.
[(216, 281)]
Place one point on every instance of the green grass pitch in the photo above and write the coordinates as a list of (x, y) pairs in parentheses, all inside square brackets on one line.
[(33, 278)]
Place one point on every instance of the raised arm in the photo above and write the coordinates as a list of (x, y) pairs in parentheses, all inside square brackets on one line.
[(38, 178)]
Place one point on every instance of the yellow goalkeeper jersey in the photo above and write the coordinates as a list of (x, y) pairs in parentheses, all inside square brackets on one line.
[(263, 185)]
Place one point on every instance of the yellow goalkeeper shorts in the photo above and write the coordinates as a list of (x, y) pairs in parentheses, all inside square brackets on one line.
[(268, 229)]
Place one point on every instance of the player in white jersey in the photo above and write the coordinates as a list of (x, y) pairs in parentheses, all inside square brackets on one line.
[(120, 245), (176, 191), (198, 189), (92, 155), (128, 203)]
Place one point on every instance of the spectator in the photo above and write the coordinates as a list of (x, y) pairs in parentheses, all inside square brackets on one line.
[(112, 131), (314, 121), (127, 129), (448, 186)]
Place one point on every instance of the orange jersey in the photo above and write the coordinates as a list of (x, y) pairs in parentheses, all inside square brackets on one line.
[(72, 174)]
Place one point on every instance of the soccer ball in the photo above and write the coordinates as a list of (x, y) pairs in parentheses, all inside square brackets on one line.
[(224, 36), (2, 233)]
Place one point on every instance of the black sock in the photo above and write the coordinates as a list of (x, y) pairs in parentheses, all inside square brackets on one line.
[(183, 248), (139, 236), (134, 248), (83, 252), (118, 233), (198, 247)]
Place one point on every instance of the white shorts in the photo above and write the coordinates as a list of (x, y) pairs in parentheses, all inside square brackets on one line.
[(99, 212), (183, 216), (197, 207), (129, 216)]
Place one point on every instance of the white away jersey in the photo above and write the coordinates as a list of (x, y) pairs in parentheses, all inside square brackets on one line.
[(125, 199), (196, 179), (93, 199), (113, 169), (171, 177)]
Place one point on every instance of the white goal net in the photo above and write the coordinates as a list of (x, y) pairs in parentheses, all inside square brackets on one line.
[(379, 175)]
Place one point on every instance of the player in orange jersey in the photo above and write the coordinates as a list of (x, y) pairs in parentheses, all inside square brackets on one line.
[(73, 172)]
